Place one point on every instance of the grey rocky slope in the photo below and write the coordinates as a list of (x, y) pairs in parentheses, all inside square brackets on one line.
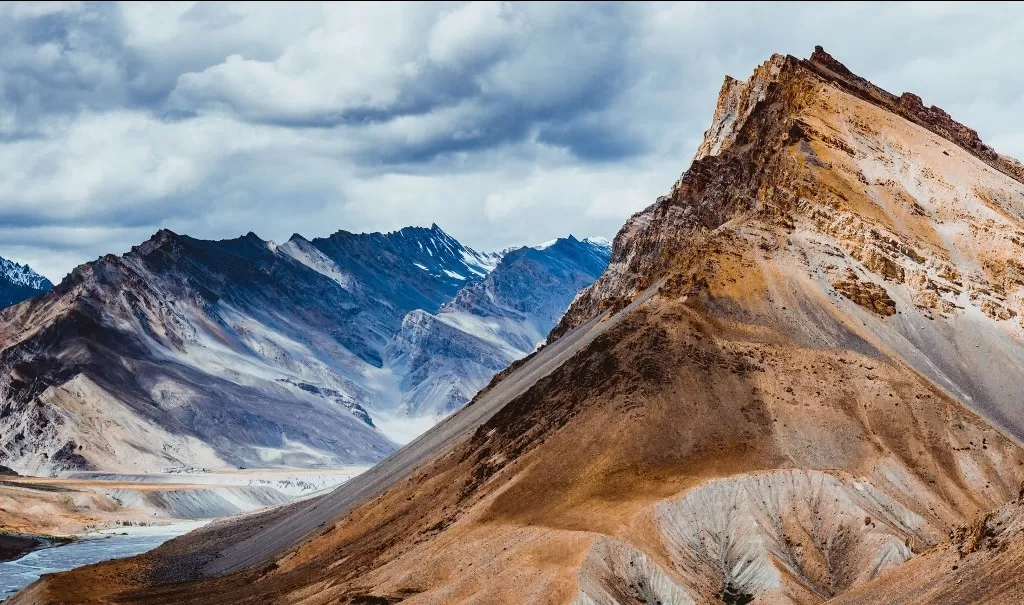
[(241, 352), (443, 359)]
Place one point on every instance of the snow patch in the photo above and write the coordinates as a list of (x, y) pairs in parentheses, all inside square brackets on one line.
[(309, 255), (402, 429), (454, 275), (480, 263)]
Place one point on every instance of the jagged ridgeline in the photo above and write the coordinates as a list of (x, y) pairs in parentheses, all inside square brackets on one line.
[(800, 370)]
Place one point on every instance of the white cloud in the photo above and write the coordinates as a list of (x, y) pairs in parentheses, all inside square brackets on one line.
[(505, 123), (357, 57), (26, 10), (477, 33)]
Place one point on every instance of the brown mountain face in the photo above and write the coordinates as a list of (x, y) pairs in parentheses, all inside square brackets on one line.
[(800, 371)]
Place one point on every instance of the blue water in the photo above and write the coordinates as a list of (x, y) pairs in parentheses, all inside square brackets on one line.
[(15, 575)]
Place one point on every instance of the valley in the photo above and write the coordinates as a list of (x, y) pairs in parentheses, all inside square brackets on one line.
[(796, 381), (52, 524), (83, 502), (186, 382)]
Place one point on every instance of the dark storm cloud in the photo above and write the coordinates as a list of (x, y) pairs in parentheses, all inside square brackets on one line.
[(59, 63)]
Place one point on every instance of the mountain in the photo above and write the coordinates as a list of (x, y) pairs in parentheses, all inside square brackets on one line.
[(189, 353), (19, 282), (414, 268), (445, 358), (241, 352), (800, 370)]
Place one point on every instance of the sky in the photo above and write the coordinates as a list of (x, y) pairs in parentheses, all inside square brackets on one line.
[(504, 123)]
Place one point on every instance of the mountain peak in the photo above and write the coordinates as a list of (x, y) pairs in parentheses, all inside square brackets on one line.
[(773, 135), (910, 107), (571, 241), (164, 233), (19, 282), (434, 230), (158, 240), (740, 99), (821, 57)]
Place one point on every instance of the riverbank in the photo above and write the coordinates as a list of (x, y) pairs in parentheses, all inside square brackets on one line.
[(15, 545), (51, 524), (86, 550), (87, 502)]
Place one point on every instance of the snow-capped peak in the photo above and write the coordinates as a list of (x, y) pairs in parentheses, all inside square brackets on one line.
[(22, 275), (602, 242)]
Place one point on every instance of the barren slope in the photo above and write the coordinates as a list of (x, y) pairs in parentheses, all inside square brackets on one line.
[(978, 563), (788, 382)]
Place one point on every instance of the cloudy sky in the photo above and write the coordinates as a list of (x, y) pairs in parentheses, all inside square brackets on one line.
[(504, 123)]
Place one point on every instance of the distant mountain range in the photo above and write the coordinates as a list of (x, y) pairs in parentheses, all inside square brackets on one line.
[(185, 352), (19, 282)]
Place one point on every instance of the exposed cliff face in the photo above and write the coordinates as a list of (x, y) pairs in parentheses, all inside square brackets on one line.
[(877, 210), (910, 106), (799, 370)]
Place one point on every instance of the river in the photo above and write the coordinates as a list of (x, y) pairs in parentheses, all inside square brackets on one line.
[(93, 548)]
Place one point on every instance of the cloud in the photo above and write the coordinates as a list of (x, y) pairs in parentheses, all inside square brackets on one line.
[(505, 123), (477, 34)]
